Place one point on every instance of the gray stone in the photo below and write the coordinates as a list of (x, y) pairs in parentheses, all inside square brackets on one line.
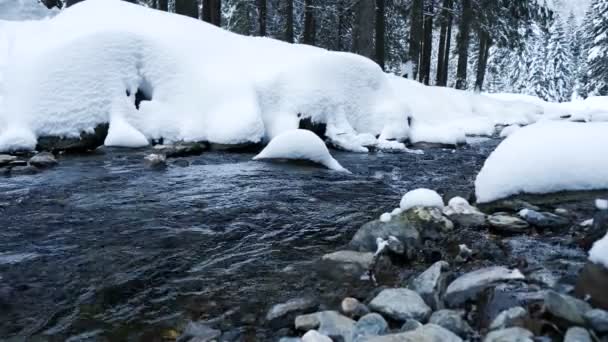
[(410, 324), (451, 320), (282, 315), (6, 159), (431, 283), (597, 319), (566, 307), (353, 308), (399, 227), (510, 335), (87, 141), (315, 336), (400, 305), (426, 333), (369, 325), (290, 339), (181, 149), (507, 224), (198, 332), (544, 276), (469, 285), (509, 318), (395, 246), (430, 222), (577, 334), (330, 323), (463, 214), (543, 219), (22, 170), (363, 259), (43, 160), (155, 161), (592, 283)]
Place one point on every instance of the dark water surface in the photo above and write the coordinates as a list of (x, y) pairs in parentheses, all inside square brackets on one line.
[(102, 248)]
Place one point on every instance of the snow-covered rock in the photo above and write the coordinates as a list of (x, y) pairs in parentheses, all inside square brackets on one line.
[(546, 157), (300, 144), (421, 198), (599, 252)]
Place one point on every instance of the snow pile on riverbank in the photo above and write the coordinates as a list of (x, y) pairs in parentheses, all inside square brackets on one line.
[(546, 157)]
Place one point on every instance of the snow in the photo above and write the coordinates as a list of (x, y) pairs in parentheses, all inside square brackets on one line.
[(421, 198), (121, 132), (509, 130), (300, 144), (458, 206), (546, 157), (601, 204), (599, 252), (386, 217)]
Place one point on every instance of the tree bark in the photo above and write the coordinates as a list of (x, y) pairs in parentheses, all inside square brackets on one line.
[(363, 28), (289, 36), (482, 63), (445, 38), (380, 32), (187, 7), (262, 12), (416, 32), (463, 44), (163, 5), (212, 12), (427, 46), (309, 23)]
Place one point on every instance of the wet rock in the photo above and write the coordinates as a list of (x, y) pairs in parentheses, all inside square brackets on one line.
[(598, 229), (282, 315), (43, 160), (463, 214), (597, 319), (181, 149), (395, 246), (543, 219), (410, 324), (244, 147), (87, 141), (512, 317), (181, 163), (508, 205), (469, 285), (426, 333), (6, 159), (494, 300), (315, 336), (508, 224), (399, 227), (363, 259), (431, 283), (400, 305), (198, 332), (430, 222), (510, 335), (290, 339), (451, 320), (577, 334), (353, 308), (543, 276), (369, 325), (22, 170), (330, 323), (155, 161), (565, 307)]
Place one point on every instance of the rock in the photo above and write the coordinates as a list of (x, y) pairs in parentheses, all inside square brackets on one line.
[(6, 159), (353, 308), (400, 305), (181, 149), (198, 332), (592, 282), (543, 219), (430, 222), (470, 284), (155, 161), (315, 336), (597, 319), (363, 259), (451, 320), (508, 205), (282, 315), (512, 317), (395, 246), (430, 284), (22, 170), (507, 224), (510, 335), (494, 300), (43, 160), (426, 333), (329, 323), (399, 227), (369, 325), (290, 339), (463, 214), (565, 307), (599, 227), (543, 276), (410, 324), (577, 334), (87, 141)]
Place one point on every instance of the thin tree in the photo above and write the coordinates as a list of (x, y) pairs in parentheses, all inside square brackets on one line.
[(463, 44), (416, 32), (212, 12), (289, 36), (445, 40), (309, 23), (262, 13), (427, 45), (363, 28), (380, 32)]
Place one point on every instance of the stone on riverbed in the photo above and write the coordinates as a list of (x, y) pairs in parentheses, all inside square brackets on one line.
[(543, 219), (509, 318), (463, 214), (508, 224), (315, 336), (353, 308), (43, 160), (6, 159), (431, 283), (155, 161), (453, 321), (181, 149), (469, 285), (282, 315), (597, 319), (567, 308), (429, 221), (399, 227), (87, 141), (363, 259), (198, 332), (577, 334), (410, 324), (510, 335), (369, 325), (330, 323), (400, 305), (426, 333)]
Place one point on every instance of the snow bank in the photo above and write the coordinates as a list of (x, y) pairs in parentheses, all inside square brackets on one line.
[(546, 157), (599, 252), (198, 82), (300, 144), (509, 130), (421, 198)]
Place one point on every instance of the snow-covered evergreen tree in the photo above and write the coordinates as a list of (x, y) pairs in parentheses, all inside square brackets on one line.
[(559, 64), (597, 59), (536, 81)]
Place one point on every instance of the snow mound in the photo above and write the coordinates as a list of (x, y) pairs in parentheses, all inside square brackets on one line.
[(505, 132), (122, 133), (421, 198), (599, 252), (185, 80), (300, 144), (546, 157)]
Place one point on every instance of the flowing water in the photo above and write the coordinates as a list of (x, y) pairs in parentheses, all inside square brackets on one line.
[(102, 248)]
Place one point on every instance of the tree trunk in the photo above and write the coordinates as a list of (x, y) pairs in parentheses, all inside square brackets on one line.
[(212, 12), (380, 32), (52, 3), (427, 46), (289, 21), (309, 23), (262, 12), (482, 63), (448, 47), (444, 44), (363, 28), (416, 32), (163, 5), (463, 44), (187, 7)]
